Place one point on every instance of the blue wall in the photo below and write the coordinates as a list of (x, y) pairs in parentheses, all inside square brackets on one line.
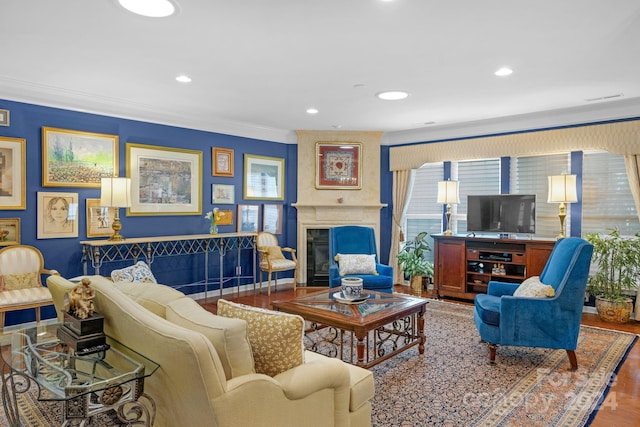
[(65, 255)]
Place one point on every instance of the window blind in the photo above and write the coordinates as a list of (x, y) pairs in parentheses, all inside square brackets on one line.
[(529, 176), (607, 202), (476, 177)]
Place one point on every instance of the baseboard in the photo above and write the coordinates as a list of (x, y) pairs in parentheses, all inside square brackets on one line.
[(233, 289)]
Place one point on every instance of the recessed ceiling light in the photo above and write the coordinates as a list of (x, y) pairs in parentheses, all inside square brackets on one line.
[(504, 71), (312, 111), (183, 78), (150, 8), (392, 95)]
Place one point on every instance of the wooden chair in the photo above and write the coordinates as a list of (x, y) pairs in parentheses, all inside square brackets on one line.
[(272, 259), (21, 285)]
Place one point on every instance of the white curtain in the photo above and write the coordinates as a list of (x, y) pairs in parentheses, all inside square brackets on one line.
[(402, 186), (632, 164)]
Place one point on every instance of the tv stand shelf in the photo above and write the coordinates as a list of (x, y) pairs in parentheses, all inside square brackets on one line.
[(465, 265)]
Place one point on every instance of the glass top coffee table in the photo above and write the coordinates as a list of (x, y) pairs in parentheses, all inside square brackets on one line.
[(88, 385), (383, 325)]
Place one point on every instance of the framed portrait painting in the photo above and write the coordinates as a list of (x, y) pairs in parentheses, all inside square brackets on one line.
[(222, 159), (263, 178), (72, 158), (12, 173), (248, 218), (9, 231), (99, 219), (57, 215), (164, 181), (338, 165)]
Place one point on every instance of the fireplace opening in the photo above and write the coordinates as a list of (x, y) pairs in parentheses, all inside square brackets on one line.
[(318, 257)]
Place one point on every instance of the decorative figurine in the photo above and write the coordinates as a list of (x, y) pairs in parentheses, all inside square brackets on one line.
[(81, 300)]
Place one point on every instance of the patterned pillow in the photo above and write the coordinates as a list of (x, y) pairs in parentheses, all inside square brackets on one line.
[(274, 252), (20, 281), (139, 272), (532, 287), (276, 338), (356, 264)]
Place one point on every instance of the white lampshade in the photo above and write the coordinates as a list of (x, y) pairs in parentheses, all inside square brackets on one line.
[(562, 189), (448, 192), (115, 192)]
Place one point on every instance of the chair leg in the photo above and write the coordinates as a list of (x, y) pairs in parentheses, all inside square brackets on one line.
[(492, 353), (269, 285), (573, 359), (295, 280), (2, 321), (37, 314), (261, 281)]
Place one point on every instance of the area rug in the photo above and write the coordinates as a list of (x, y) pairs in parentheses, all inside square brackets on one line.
[(452, 384)]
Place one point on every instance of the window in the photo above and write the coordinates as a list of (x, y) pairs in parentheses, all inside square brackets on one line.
[(423, 212), (476, 177), (606, 197), (529, 176)]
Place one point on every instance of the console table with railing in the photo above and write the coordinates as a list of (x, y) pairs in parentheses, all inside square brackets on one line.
[(97, 252)]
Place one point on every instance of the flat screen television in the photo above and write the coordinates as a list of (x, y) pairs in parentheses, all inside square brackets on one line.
[(502, 213)]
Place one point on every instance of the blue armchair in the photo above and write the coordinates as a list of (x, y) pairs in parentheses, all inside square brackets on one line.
[(351, 240), (548, 322)]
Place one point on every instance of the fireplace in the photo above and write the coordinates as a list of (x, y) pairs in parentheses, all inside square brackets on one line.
[(317, 257)]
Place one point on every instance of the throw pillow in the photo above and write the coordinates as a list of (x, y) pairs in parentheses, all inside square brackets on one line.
[(356, 264), (139, 272), (228, 336), (276, 338), (532, 287), (20, 281), (274, 252)]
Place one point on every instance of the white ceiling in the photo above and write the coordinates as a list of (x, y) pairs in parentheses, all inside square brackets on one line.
[(257, 65)]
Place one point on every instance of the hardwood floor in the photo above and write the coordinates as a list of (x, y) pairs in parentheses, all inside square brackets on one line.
[(621, 409)]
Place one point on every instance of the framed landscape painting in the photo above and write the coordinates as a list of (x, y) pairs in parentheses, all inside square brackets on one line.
[(164, 181), (12, 173), (9, 231), (72, 158), (338, 165)]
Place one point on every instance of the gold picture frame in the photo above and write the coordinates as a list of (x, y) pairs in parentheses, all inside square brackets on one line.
[(338, 165), (263, 178), (13, 173), (222, 161), (72, 158), (9, 231), (57, 215), (99, 219), (164, 180), (5, 117)]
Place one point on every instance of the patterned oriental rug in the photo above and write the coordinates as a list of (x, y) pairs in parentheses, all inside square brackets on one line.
[(452, 384)]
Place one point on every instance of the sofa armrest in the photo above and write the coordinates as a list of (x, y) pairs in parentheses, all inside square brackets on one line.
[(384, 270), (306, 379)]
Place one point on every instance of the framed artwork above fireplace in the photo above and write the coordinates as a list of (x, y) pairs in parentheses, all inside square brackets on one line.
[(338, 165)]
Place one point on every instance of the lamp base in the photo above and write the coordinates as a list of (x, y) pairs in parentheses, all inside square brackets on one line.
[(117, 226)]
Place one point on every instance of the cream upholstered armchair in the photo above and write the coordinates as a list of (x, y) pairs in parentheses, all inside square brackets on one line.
[(272, 259), (21, 267)]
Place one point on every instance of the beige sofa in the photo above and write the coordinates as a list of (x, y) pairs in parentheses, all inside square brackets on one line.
[(204, 378)]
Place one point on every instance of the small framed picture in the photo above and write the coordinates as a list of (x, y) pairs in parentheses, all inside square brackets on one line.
[(57, 215), (248, 218), (272, 218), (223, 194), (4, 117), (226, 218), (263, 178), (9, 231), (99, 219), (222, 159)]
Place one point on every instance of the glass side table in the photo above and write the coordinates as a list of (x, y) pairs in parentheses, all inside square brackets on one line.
[(87, 385)]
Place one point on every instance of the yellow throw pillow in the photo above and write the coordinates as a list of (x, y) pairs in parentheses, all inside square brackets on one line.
[(356, 264), (20, 281), (274, 252), (533, 288), (276, 338)]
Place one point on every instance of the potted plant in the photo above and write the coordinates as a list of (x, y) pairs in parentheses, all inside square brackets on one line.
[(618, 265), (412, 261)]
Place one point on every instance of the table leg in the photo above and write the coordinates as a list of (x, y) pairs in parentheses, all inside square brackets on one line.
[(423, 339), (360, 347)]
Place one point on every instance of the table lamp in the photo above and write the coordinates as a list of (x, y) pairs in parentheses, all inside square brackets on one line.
[(448, 193), (562, 189), (115, 193)]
